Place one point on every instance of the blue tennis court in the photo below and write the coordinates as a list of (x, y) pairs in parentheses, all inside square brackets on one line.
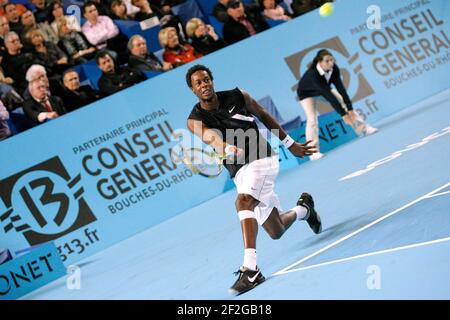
[(386, 232)]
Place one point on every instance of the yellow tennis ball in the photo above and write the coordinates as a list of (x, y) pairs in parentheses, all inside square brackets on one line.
[(326, 9)]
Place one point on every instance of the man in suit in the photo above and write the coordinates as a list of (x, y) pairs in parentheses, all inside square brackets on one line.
[(40, 107), (143, 60), (75, 96), (242, 22), (114, 78)]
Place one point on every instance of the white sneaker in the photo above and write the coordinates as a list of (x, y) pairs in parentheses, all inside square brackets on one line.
[(370, 130), (316, 156)]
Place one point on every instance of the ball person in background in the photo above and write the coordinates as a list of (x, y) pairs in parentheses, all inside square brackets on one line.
[(316, 83)]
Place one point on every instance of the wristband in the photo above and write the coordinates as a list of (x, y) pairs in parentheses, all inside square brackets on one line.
[(288, 141)]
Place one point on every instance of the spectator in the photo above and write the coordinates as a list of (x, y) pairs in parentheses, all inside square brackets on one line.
[(204, 38), (75, 96), (74, 43), (143, 60), (38, 73), (102, 32), (97, 29), (57, 11), (102, 7), (114, 78), (16, 62), (146, 10), (13, 18), (19, 7), (176, 53), (242, 23), (4, 29), (29, 23), (5, 132), (120, 11), (273, 11), (131, 10), (48, 53), (220, 10), (4, 81), (42, 11), (40, 107), (168, 18)]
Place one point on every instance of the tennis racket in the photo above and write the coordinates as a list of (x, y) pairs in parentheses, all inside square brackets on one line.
[(205, 163)]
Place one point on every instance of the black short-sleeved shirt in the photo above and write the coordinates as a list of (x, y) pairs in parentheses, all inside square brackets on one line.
[(233, 115)]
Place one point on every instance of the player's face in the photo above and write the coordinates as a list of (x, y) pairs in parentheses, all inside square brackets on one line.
[(202, 85), (327, 63), (106, 64)]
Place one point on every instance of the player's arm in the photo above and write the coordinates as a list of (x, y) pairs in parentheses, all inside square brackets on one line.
[(297, 149), (209, 136)]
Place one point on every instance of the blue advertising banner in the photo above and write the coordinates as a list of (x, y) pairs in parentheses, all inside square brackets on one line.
[(30, 271), (103, 173)]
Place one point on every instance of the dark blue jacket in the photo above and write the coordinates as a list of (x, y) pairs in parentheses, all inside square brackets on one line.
[(312, 84)]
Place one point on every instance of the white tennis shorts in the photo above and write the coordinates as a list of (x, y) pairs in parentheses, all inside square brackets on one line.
[(257, 179)]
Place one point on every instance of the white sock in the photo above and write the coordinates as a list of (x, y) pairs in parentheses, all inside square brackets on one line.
[(250, 259), (302, 212)]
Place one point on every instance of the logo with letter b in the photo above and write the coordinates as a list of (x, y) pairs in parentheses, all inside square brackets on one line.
[(43, 203)]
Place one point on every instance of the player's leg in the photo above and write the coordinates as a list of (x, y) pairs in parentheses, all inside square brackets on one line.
[(277, 223), (245, 206), (252, 181), (312, 125), (249, 274)]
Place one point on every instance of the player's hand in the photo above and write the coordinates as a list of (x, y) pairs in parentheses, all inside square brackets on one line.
[(353, 116), (303, 149), (348, 119), (232, 152)]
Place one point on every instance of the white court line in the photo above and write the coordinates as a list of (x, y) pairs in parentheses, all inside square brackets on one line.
[(284, 270), (439, 194), (410, 246)]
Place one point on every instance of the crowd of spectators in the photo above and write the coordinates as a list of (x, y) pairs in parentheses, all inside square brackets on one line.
[(41, 45)]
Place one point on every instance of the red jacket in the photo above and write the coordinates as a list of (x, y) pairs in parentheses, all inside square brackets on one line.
[(185, 53)]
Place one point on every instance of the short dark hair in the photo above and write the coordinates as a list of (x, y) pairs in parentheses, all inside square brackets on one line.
[(69, 71), (88, 4), (192, 70), (102, 54)]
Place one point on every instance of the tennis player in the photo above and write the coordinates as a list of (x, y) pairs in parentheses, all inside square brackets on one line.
[(316, 84), (226, 121)]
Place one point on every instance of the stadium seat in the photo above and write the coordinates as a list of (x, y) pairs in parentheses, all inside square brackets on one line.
[(19, 122), (151, 74), (274, 23), (187, 10), (206, 6), (130, 28)]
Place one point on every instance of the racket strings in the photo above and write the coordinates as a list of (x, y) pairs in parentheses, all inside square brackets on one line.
[(203, 162)]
